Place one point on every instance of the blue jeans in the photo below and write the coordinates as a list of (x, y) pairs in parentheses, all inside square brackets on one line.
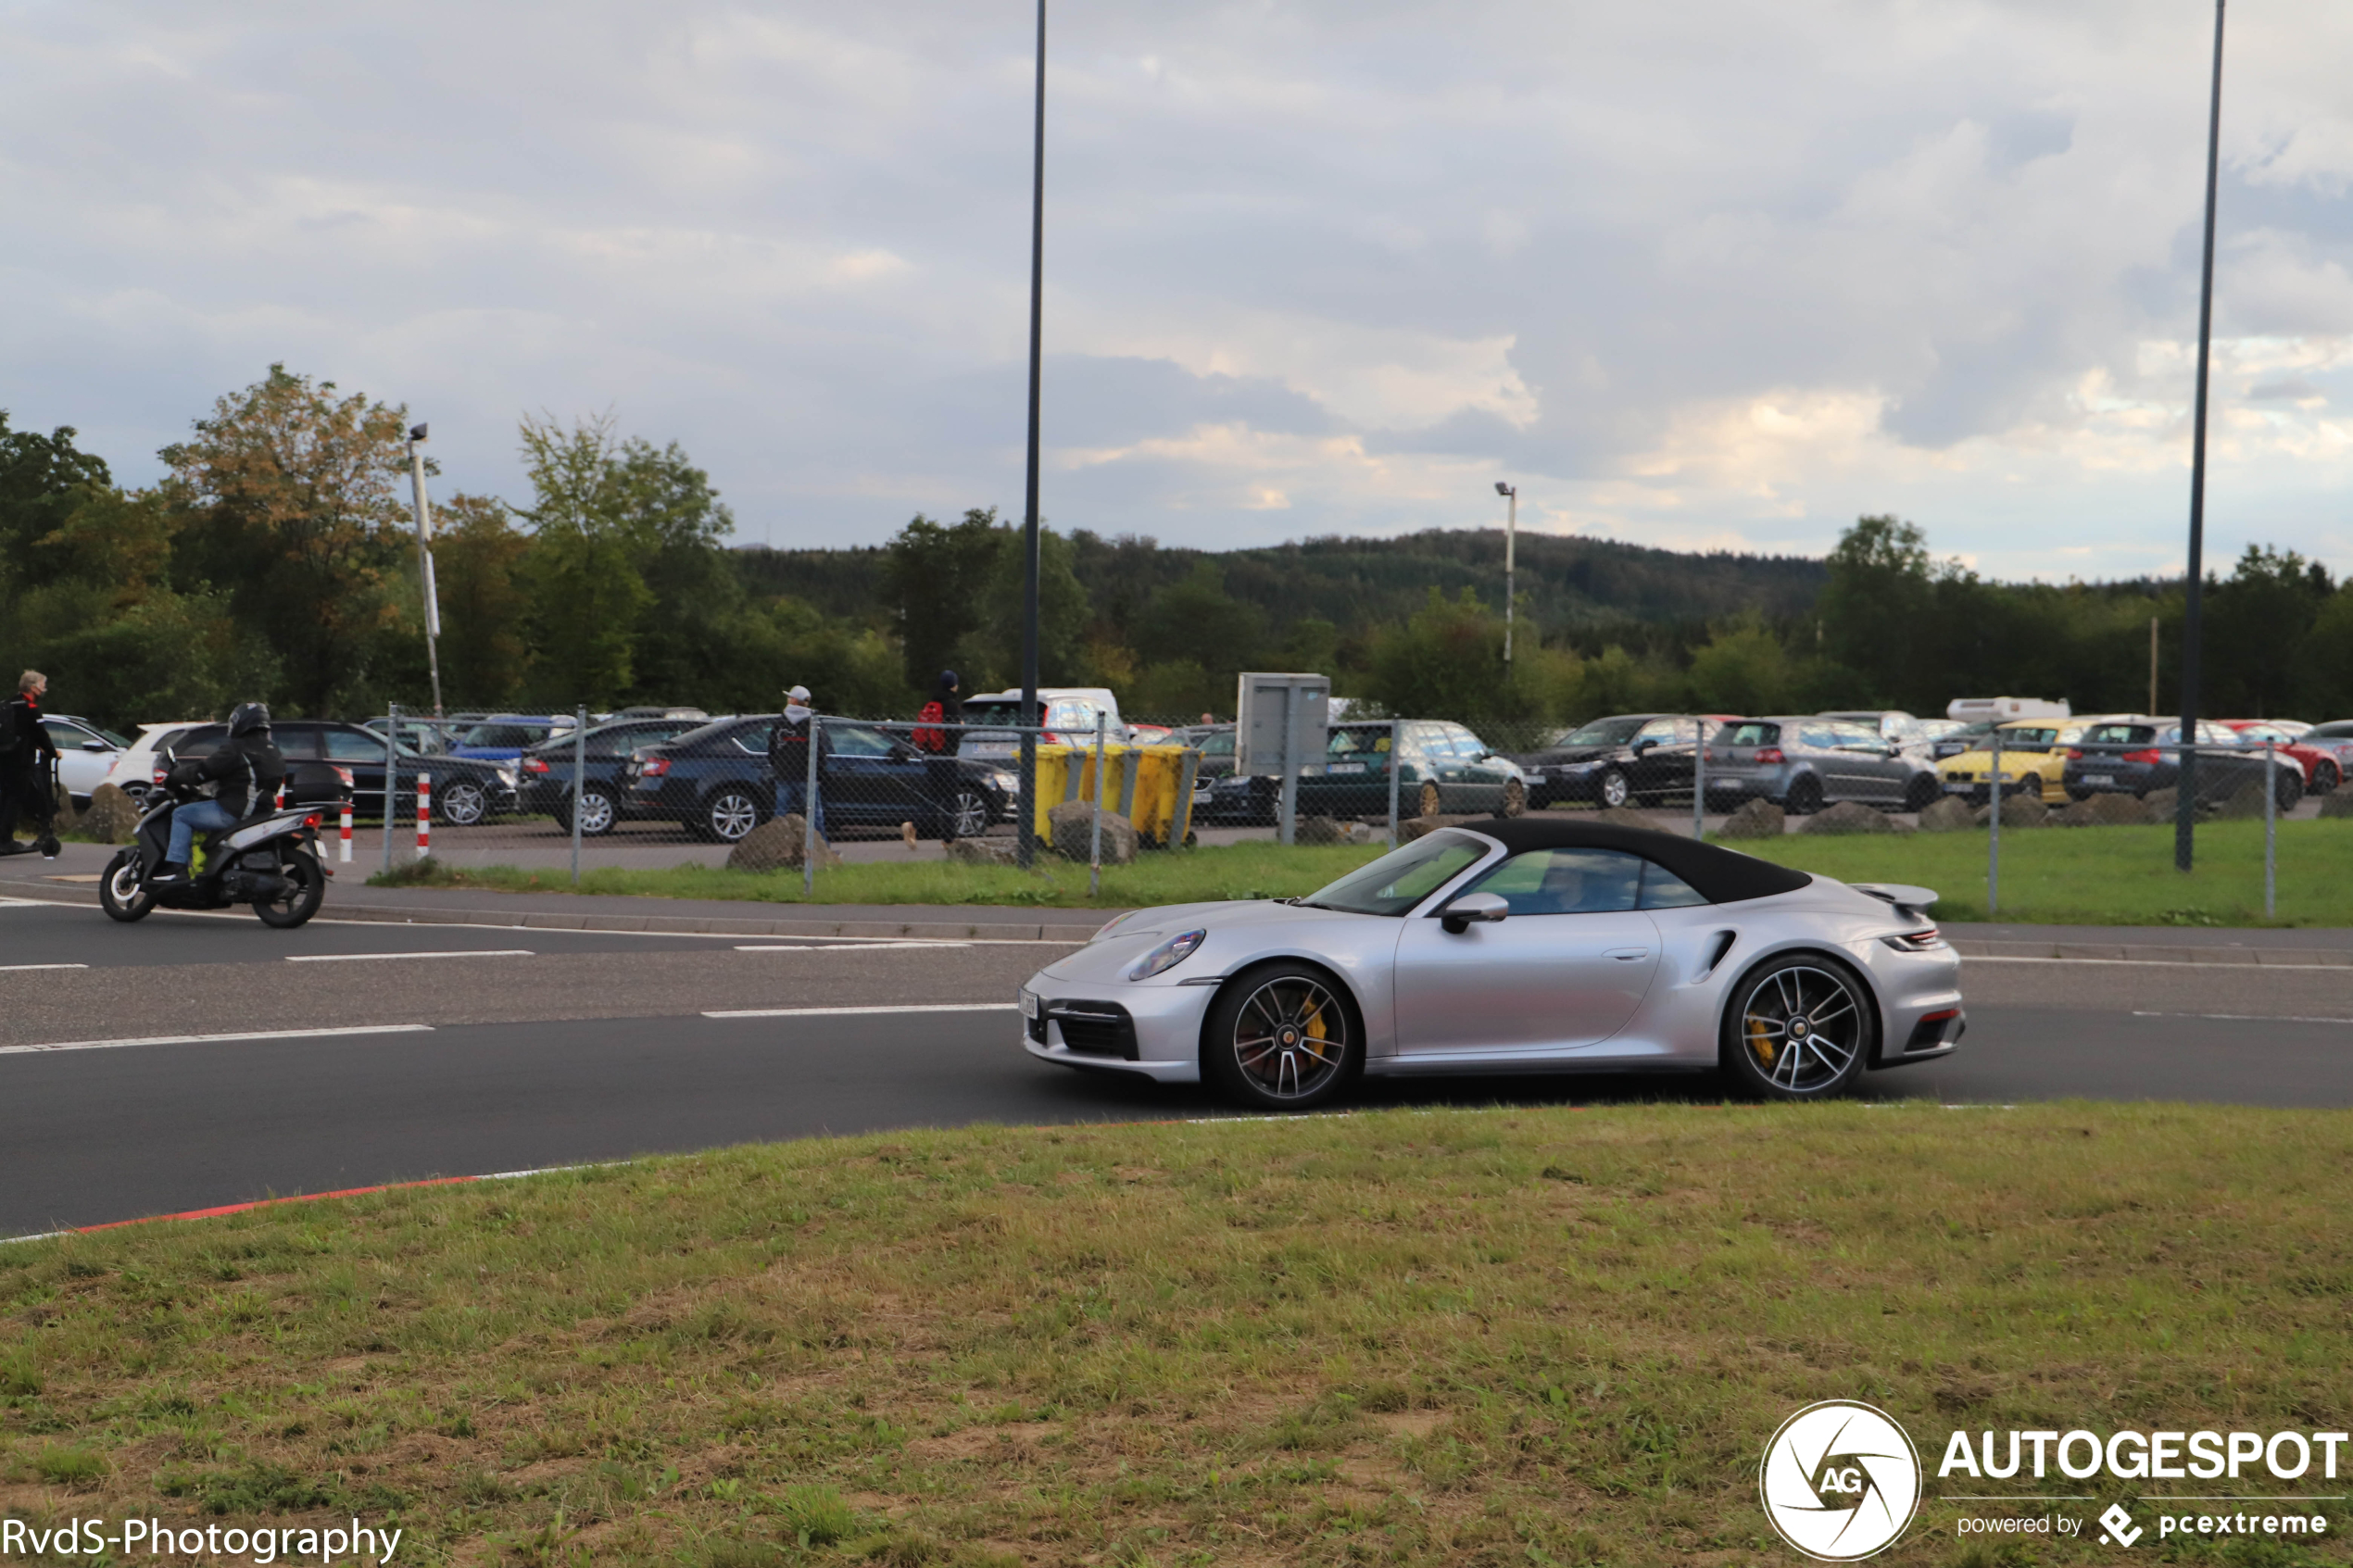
[(209, 815), (788, 794)]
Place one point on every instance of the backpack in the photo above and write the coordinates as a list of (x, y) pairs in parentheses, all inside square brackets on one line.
[(931, 739), (12, 716)]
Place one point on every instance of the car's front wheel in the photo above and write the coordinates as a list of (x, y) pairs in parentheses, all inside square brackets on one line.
[(968, 814), (1804, 795), (462, 803), (1799, 1027), (1431, 804), (1514, 799), (1614, 789), (2325, 777), (729, 816), (1281, 1037), (1921, 793)]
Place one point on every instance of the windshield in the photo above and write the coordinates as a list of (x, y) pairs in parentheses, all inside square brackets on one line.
[(1605, 732), (1358, 741), (2029, 738), (1401, 878)]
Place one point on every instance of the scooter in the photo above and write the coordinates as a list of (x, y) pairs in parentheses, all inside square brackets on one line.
[(270, 861)]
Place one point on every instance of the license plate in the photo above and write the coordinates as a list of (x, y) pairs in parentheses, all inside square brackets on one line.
[(1202, 797), (1954, 786), (2099, 778), (1029, 1004), (1346, 768)]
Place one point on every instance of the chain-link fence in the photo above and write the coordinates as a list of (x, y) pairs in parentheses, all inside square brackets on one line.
[(655, 788)]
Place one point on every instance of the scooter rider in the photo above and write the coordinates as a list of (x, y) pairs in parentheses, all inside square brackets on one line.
[(246, 769)]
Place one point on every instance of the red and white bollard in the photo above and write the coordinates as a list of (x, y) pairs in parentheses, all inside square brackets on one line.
[(425, 815), (343, 850)]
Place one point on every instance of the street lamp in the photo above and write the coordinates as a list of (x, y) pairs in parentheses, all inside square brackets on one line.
[(417, 438), (2185, 806), (1511, 532), (1024, 841)]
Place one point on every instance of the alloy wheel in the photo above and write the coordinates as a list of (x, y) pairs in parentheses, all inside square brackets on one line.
[(732, 816), (463, 804), (1801, 1029), (1431, 804), (1616, 791), (969, 817), (597, 812), (1291, 1038)]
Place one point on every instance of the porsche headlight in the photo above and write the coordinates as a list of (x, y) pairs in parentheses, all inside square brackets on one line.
[(1168, 955)]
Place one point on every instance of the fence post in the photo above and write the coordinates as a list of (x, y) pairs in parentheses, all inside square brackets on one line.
[(809, 818), (1396, 755), (425, 815), (1993, 840), (1699, 778), (392, 778), (2270, 826), (579, 783), (1095, 848)]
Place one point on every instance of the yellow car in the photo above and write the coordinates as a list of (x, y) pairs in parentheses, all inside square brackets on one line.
[(2033, 759)]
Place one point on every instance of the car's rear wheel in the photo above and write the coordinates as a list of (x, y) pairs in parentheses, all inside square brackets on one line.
[(1804, 795), (598, 813), (729, 816), (1799, 1027), (1514, 799), (1281, 1037), (461, 803), (2288, 787), (2325, 777), (1429, 800)]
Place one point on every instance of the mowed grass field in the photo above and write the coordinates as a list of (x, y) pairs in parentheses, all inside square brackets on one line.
[(1507, 1337), (2072, 876)]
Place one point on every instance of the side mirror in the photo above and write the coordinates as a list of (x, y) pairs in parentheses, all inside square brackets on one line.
[(95, 746), (1482, 907), (1642, 745)]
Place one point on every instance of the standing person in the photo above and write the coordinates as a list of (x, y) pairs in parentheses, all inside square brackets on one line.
[(789, 759), (28, 760), (939, 732)]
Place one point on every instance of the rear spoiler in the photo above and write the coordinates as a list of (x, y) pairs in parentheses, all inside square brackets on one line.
[(1911, 900)]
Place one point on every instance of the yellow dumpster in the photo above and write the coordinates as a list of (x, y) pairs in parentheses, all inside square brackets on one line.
[(1149, 785)]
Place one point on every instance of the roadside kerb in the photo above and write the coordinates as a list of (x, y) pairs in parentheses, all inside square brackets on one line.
[(2139, 952)]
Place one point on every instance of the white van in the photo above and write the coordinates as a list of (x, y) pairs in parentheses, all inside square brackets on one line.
[(2001, 709)]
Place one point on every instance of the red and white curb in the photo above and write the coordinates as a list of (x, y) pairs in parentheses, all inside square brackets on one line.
[(217, 1212)]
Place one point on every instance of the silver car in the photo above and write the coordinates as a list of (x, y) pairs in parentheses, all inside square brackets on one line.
[(1526, 945), (1806, 762)]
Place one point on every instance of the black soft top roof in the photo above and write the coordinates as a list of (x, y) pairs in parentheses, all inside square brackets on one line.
[(1721, 876)]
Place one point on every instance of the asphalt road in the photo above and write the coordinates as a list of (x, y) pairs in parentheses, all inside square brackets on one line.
[(476, 1051)]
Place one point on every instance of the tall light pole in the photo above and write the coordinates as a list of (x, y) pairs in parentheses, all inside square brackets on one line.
[(2185, 806), (417, 438), (1026, 839), (1511, 534)]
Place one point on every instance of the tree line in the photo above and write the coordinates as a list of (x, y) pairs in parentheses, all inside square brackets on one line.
[(275, 558)]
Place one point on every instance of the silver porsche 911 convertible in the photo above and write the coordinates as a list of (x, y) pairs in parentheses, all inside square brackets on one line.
[(1518, 945)]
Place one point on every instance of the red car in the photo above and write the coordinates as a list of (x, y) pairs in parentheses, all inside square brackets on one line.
[(2321, 771)]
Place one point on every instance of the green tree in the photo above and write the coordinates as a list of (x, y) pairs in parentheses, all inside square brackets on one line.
[(480, 574), (936, 578), (1876, 608), (2258, 626), (1063, 613), (1742, 669), (1447, 663), (1196, 619)]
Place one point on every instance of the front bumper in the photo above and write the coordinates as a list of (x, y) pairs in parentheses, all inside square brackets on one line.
[(1152, 1031)]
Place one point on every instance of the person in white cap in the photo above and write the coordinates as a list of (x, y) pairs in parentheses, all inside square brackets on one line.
[(788, 758)]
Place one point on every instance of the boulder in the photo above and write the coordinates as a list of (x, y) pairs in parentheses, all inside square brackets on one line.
[(1755, 819), (2017, 812), (2162, 804), (2104, 811), (1625, 817), (776, 843), (1412, 828), (2245, 805), (1331, 830), (67, 818), (1947, 814), (2338, 802), (1853, 816), (112, 815), (1073, 826), (985, 852)]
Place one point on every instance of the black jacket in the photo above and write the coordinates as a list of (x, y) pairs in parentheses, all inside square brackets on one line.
[(248, 767), (788, 750), (24, 740)]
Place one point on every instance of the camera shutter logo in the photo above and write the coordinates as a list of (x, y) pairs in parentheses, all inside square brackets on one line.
[(1840, 1481)]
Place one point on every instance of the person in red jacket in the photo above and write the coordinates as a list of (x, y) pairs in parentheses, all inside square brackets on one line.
[(938, 736)]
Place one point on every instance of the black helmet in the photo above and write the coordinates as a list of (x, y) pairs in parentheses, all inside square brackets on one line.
[(248, 717)]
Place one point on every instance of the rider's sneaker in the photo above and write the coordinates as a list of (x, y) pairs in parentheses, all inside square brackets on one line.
[(170, 873)]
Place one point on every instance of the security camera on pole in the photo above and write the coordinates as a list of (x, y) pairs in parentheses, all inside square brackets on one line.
[(417, 438)]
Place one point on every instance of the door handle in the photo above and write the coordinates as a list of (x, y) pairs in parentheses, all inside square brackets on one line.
[(1628, 955)]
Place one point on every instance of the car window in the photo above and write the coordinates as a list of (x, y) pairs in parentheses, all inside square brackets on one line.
[(1567, 882), (65, 736), (353, 746), (753, 739), (1661, 889), (1663, 729), (2028, 737), (1358, 743), (296, 743), (2336, 729), (1469, 746), (1863, 736), (1753, 734), (1601, 731), (1404, 877), (2119, 734), (1219, 745), (1823, 736), (855, 740)]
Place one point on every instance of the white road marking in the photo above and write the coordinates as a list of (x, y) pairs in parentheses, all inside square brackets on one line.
[(20, 968), (840, 947), (2245, 1017), (2154, 963), (29, 903), (845, 1012), (366, 958), (209, 1039)]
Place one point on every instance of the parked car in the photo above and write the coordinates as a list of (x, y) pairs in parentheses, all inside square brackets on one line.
[(2323, 768), (545, 772), (1802, 762), (2136, 755), (1222, 797), (1893, 725), (466, 791), (86, 753), (503, 737), (1441, 768), (1068, 711), (1627, 758), (715, 781), (2033, 761), (1959, 738), (427, 738), (2335, 737), (134, 766)]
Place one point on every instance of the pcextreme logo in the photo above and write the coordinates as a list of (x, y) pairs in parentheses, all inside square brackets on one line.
[(1840, 1481)]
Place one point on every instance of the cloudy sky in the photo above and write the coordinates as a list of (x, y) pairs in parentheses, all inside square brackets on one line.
[(1700, 274)]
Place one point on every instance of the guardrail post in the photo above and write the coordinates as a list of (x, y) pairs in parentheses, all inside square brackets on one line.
[(2271, 827), (1993, 840), (1095, 845), (1396, 755), (809, 818), (579, 783)]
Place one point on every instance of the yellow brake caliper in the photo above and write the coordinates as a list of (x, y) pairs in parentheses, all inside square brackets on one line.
[(1315, 1030), (1760, 1040)]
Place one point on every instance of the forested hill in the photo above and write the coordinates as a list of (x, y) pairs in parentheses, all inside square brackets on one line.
[(1580, 588)]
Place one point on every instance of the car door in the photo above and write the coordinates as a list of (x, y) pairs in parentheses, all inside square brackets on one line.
[(1660, 756), (1564, 969), (864, 780), (1838, 751), (362, 752), (84, 757), (1484, 774)]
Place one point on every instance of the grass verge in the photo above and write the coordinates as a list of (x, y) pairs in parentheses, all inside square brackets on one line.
[(2068, 876), (1502, 1337)]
